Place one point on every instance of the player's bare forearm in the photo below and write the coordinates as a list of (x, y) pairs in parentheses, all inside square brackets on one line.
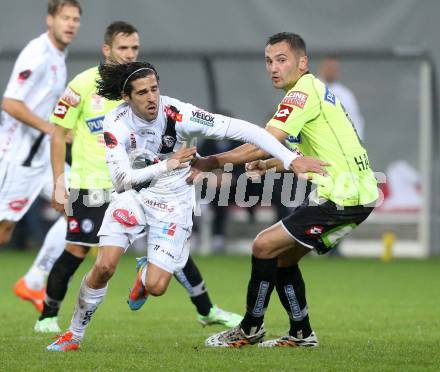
[(275, 163), (240, 155), (247, 152), (19, 111), (58, 153)]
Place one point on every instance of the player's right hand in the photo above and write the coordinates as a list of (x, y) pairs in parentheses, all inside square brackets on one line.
[(59, 198), (303, 165)]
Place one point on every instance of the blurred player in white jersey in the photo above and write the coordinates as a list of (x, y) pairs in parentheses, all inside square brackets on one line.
[(37, 80), (330, 73), (145, 143)]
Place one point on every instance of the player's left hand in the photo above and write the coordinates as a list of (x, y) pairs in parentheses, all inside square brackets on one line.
[(255, 169), (200, 165), (303, 165), (69, 137)]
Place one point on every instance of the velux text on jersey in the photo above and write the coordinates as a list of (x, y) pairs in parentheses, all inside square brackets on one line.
[(202, 117)]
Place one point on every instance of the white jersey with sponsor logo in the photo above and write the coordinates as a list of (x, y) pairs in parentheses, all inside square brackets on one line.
[(168, 198), (38, 79)]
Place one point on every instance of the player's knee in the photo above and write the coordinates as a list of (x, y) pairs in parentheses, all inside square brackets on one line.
[(5, 234), (261, 247), (157, 288), (104, 271), (77, 250), (4, 238)]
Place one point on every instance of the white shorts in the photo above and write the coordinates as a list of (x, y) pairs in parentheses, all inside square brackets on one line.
[(125, 221), (20, 186)]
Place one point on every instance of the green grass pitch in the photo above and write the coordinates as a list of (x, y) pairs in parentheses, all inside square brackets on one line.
[(368, 315)]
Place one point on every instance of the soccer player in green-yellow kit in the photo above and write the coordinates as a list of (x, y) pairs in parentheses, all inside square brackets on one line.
[(313, 121), (81, 110)]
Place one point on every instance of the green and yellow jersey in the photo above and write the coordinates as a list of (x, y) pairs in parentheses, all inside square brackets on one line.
[(318, 125), (83, 111)]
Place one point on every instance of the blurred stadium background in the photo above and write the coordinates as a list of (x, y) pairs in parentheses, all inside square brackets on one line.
[(211, 54)]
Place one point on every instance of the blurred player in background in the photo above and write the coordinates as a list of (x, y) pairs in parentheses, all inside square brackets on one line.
[(82, 110), (329, 71), (312, 120), (37, 81), (145, 139)]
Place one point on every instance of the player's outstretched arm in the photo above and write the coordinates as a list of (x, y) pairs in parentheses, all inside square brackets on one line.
[(256, 138), (260, 144)]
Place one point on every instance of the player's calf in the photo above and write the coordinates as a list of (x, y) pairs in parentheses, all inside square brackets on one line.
[(157, 280)]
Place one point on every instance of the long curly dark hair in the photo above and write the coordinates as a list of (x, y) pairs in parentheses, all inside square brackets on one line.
[(115, 79)]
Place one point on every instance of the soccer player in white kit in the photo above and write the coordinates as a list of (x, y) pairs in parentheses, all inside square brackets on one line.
[(37, 80), (150, 129)]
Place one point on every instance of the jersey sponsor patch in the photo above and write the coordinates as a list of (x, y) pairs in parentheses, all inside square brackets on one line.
[(73, 225), (97, 103), (172, 114), (95, 124), (61, 110), (18, 205), (169, 229), (163, 207), (125, 217), (296, 98), (71, 97), (283, 113), (23, 76), (87, 225), (294, 140), (329, 96), (110, 140), (202, 117)]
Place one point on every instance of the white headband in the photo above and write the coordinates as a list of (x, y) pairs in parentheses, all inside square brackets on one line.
[(129, 76)]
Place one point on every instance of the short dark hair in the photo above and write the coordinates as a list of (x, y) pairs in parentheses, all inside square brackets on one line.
[(296, 42), (53, 6), (115, 79), (118, 27)]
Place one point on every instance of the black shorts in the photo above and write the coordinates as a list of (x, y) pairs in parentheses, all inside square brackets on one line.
[(85, 212), (323, 226)]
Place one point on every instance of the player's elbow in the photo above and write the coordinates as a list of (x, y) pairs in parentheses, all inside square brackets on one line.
[(9, 106)]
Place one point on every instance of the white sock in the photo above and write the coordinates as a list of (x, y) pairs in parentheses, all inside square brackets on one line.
[(53, 246), (88, 301), (144, 275)]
